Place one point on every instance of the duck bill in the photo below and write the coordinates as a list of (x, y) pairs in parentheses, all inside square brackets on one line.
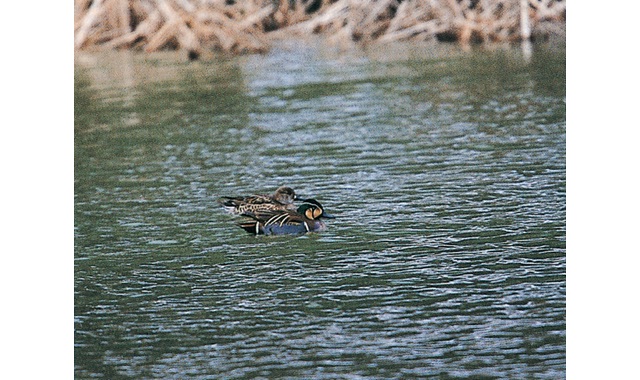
[(328, 216)]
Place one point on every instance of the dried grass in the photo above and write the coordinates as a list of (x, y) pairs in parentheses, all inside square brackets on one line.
[(246, 26)]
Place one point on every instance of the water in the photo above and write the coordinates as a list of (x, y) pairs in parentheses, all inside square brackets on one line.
[(445, 170)]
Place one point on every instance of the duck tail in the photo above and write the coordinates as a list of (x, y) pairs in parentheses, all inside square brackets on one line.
[(230, 204), (229, 201)]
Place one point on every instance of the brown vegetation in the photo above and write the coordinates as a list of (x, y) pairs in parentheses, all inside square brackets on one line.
[(246, 25)]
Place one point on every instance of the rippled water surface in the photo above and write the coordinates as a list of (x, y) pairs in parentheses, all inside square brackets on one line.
[(445, 170)]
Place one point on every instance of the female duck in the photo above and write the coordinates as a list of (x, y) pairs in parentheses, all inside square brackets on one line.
[(282, 199)]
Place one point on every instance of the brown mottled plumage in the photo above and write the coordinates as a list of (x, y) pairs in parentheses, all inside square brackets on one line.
[(282, 199)]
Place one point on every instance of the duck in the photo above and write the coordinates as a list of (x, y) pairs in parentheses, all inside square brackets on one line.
[(286, 222), (281, 200)]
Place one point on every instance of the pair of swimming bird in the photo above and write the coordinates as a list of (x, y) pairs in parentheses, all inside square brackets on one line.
[(277, 214)]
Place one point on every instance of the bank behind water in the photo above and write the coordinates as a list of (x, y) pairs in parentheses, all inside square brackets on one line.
[(251, 25)]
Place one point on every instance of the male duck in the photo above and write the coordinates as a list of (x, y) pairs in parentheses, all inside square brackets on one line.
[(287, 222), (282, 199)]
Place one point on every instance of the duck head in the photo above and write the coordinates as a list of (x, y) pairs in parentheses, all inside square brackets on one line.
[(285, 195), (313, 210)]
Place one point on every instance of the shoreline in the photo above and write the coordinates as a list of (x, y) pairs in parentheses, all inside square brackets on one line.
[(250, 26)]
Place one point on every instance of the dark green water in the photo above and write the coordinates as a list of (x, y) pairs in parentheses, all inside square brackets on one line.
[(445, 170)]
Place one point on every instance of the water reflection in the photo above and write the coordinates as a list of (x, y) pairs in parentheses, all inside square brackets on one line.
[(446, 171)]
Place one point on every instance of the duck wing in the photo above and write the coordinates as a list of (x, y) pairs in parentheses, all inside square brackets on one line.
[(275, 222)]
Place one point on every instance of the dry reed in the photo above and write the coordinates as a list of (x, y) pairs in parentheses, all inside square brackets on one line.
[(246, 26)]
